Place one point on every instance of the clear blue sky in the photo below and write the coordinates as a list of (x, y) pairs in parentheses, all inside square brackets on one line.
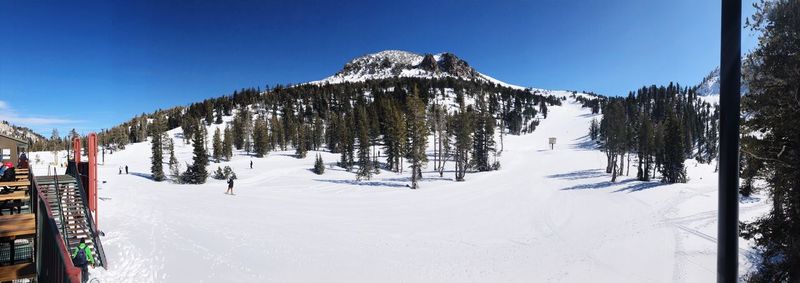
[(95, 64)]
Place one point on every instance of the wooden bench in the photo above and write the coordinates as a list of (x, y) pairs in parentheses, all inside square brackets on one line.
[(17, 271), (17, 226), (12, 200), (15, 195), (15, 184)]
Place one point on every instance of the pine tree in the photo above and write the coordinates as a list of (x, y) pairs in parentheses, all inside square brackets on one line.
[(771, 136), (462, 134), (247, 128), (301, 145), (417, 136), (174, 168), (260, 138), (674, 152), (445, 139), (594, 129), (331, 135), (364, 158), (319, 133), (227, 144), (54, 144), (613, 133), (197, 173), (395, 138), (141, 134), (157, 166), (208, 111), (289, 128), (347, 141), (242, 129), (217, 146), (219, 116), (543, 109), (276, 134), (188, 127), (319, 165), (483, 139), (712, 136)]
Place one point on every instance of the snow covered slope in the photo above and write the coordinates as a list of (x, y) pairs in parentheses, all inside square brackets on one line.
[(396, 63), (708, 89), (710, 84), (546, 216)]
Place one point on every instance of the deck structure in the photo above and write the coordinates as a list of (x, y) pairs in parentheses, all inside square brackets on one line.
[(43, 218)]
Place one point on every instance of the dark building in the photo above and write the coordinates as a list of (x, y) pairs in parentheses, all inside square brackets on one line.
[(11, 147)]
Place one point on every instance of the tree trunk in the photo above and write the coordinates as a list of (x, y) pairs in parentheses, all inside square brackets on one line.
[(441, 154), (628, 170), (413, 177), (435, 157), (502, 128), (613, 165), (639, 174)]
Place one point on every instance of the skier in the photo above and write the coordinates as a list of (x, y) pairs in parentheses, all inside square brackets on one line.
[(120, 170), (251, 164), (230, 186), (126, 169), (82, 257)]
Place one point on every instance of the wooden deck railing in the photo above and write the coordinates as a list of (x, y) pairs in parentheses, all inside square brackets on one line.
[(53, 262)]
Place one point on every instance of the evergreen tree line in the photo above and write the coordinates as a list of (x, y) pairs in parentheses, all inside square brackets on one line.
[(359, 121), (658, 126)]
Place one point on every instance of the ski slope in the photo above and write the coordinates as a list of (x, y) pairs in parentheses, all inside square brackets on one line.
[(547, 215)]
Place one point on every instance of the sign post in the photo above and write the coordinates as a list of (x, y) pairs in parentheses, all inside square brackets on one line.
[(552, 142)]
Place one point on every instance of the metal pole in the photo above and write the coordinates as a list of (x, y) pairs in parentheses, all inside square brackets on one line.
[(730, 85)]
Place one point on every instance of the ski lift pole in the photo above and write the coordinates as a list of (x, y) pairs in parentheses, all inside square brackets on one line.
[(730, 87)]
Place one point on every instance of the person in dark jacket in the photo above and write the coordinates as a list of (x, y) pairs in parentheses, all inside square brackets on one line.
[(126, 169), (23, 161), (82, 257), (230, 186)]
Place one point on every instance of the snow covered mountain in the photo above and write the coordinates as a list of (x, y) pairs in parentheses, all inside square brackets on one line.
[(24, 133), (710, 84), (708, 89), (397, 63)]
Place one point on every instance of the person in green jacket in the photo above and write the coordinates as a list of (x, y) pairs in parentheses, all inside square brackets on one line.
[(82, 257)]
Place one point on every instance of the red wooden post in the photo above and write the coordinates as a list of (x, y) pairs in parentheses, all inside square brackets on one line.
[(92, 153), (76, 149)]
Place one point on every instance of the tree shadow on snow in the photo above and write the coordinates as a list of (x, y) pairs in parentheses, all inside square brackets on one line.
[(143, 175), (584, 143), (425, 179), (363, 183), (292, 155), (641, 186), (595, 186), (582, 174)]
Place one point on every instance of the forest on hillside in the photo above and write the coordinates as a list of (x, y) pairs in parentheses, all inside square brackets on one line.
[(659, 126), (359, 121)]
